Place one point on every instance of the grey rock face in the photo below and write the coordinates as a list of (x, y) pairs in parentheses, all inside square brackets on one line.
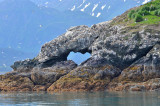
[(122, 50), (102, 72), (104, 42), (148, 67), (24, 66), (109, 45), (76, 39)]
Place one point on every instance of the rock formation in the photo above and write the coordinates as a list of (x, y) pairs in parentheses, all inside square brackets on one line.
[(123, 57)]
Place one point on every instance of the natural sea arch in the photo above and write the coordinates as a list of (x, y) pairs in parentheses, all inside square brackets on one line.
[(78, 57)]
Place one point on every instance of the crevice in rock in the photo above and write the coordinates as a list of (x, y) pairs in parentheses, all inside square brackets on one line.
[(138, 58), (54, 60), (142, 55)]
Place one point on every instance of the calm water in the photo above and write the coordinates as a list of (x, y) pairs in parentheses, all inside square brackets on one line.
[(81, 99)]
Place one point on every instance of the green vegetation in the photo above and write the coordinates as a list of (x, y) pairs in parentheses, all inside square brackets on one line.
[(157, 13), (131, 13), (126, 38), (146, 14), (138, 18)]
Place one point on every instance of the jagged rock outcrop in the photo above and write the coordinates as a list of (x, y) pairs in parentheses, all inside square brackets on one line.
[(135, 53), (102, 41), (146, 68), (144, 74), (123, 57)]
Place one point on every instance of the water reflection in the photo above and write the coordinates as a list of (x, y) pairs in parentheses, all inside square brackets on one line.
[(82, 98)]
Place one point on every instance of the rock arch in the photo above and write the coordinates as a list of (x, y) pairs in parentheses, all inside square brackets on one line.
[(76, 39)]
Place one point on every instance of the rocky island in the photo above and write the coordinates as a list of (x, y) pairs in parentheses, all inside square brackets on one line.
[(125, 56)]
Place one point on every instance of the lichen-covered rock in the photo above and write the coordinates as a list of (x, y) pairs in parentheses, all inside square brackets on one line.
[(86, 79), (35, 79), (15, 83), (150, 85), (40, 88)]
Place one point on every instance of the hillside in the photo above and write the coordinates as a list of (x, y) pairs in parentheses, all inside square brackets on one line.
[(148, 14)]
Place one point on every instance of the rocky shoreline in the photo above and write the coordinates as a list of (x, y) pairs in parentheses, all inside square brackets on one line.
[(123, 58)]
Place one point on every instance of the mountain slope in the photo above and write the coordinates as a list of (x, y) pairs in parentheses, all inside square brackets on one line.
[(97, 8), (9, 55)]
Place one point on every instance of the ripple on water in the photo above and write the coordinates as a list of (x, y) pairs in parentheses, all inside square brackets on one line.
[(82, 99)]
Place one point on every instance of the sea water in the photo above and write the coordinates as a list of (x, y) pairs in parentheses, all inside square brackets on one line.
[(81, 99)]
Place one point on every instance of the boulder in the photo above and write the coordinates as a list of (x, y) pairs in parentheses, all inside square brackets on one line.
[(86, 79), (42, 76)]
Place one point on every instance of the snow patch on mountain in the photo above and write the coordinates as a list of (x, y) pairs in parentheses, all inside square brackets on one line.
[(98, 14), (85, 6), (82, 3), (73, 8), (95, 6), (146, 1), (109, 7), (103, 6)]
